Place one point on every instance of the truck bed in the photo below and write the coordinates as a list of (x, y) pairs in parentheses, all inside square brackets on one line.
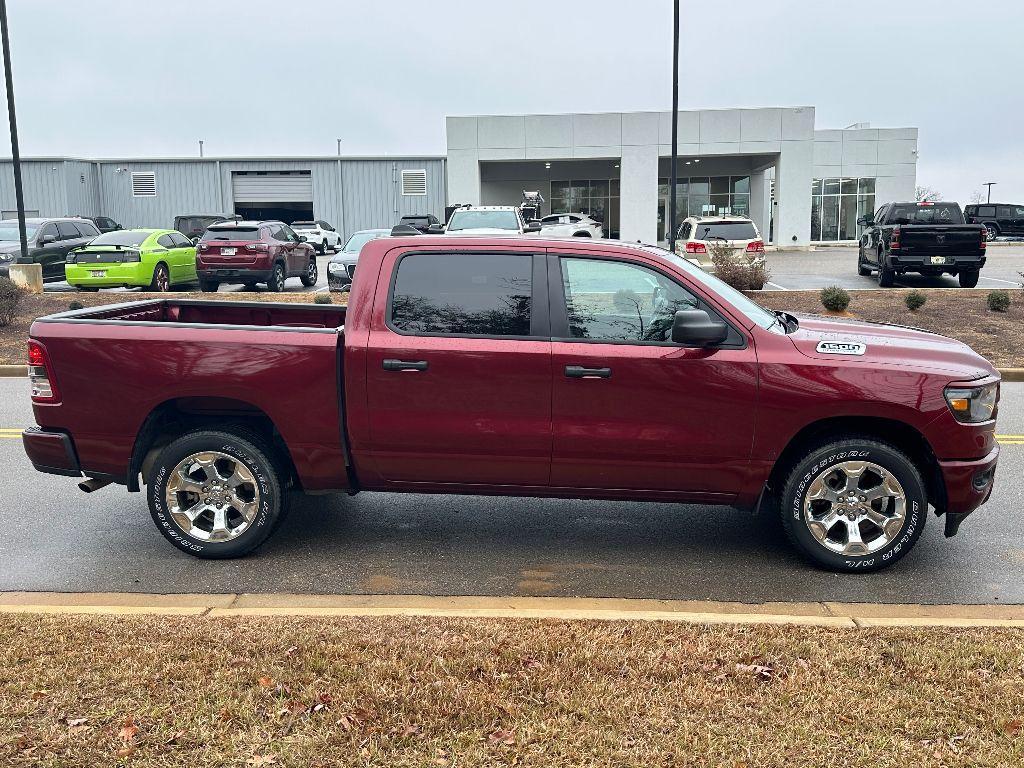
[(120, 367)]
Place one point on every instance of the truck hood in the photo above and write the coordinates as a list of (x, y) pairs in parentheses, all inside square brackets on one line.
[(831, 338)]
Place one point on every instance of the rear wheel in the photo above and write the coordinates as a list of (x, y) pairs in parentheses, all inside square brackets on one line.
[(277, 278), (969, 278), (208, 286), (855, 504), (161, 279), (886, 276), (862, 269), (991, 231), (216, 494), (309, 277)]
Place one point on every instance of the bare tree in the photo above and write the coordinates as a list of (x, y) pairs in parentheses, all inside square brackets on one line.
[(976, 198), (927, 194)]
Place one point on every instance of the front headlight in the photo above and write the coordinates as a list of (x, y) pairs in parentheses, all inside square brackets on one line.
[(335, 268), (972, 405)]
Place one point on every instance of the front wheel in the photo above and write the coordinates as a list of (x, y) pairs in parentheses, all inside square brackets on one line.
[(862, 269), (277, 278), (216, 494), (969, 279), (855, 504)]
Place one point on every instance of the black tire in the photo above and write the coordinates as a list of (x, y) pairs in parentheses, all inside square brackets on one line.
[(886, 276), (814, 464), (323, 247), (311, 275), (161, 281), (208, 286), (862, 269), (238, 445), (969, 278), (277, 278), (249, 286), (991, 231)]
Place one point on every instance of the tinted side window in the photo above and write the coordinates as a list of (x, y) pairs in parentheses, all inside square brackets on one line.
[(617, 301), (179, 240), (86, 229), (50, 230), (1004, 212), (475, 294), (287, 233), (165, 241), (68, 231), (277, 232), (986, 210)]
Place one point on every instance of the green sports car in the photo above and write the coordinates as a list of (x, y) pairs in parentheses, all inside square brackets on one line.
[(155, 259)]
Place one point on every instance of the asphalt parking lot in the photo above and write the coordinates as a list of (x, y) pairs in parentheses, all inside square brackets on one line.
[(59, 539), (803, 270)]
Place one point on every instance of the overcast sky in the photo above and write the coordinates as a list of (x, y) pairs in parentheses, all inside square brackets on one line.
[(102, 78)]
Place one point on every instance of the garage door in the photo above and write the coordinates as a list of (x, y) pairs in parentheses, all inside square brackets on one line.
[(272, 187)]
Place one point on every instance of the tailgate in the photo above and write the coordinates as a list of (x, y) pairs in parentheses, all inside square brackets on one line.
[(105, 256), (938, 239)]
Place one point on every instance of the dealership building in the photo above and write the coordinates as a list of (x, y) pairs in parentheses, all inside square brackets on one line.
[(800, 184)]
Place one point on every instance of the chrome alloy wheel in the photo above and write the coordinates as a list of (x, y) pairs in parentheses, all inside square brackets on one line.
[(212, 496), (855, 508)]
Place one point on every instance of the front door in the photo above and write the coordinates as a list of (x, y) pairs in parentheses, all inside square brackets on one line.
[(458, 369), (632, 410)]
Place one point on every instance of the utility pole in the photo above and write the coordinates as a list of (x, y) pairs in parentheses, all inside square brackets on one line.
[(19, 194), (988, 184), (200, 147), (675, 128)]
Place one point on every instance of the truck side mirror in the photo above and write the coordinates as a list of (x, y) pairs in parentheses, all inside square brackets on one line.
[(695, 328), (435, 229), (865, 221), (47, 239)]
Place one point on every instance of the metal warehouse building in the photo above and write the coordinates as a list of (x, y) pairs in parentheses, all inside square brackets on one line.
[(352, 193), (800, 184)]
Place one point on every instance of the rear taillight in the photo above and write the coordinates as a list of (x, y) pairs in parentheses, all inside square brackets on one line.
[(40, 375), (984, 240), (755, 246), (894, 242), (202, 248), (261, 247), (132, 257), (696, 248)]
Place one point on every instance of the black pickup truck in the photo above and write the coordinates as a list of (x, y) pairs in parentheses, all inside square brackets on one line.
[(929, 238)]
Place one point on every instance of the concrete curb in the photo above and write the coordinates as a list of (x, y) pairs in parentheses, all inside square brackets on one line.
[(1012, 374), (824, 614)]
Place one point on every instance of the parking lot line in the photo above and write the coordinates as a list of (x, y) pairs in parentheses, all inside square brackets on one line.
[(777, 286), (1000, 280)]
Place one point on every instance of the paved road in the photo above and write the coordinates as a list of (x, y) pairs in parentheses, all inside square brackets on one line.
[(57, 538), (796, 270)]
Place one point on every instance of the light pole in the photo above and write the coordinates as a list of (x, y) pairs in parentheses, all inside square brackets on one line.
[(200, 147), (19, 195), (988, 184), (675, 128), (339, 147)]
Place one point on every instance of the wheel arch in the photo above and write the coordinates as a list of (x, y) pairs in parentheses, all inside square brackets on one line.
[(897, 433), (175, 417)]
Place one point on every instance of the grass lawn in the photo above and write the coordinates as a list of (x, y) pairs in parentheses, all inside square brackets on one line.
[(103, 691)]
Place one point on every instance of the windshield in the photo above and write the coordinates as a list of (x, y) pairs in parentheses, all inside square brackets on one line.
[(121, 237), (750, 309), (231, 233), (484, 220), (303, 225), (724, 230), (358, 240), (933, 213), (9, 231)]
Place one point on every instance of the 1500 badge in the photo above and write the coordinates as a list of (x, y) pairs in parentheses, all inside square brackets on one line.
[(842, 347)]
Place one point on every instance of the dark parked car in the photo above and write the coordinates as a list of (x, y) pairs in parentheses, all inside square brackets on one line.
[(342, 266), (251, 252), (497, 365), (49, 242), (193, 225), (103, 223), (423, 222), (926, 237), (997, 218)]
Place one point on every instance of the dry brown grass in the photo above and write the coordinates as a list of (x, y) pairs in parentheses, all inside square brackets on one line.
[(100, 691)]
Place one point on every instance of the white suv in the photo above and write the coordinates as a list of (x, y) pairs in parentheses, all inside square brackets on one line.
[(319, 234), (698, 233), (489, 220), (571, 225)]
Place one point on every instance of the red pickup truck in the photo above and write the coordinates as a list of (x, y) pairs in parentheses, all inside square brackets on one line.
[(525, 367)]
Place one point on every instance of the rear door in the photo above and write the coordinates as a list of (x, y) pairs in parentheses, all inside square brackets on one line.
[(295, 254), (632, 410), (184, 269), (459, 369)]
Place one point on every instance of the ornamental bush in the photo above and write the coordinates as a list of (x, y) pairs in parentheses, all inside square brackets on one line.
[(835, 299), (11, 295), (915, 300), (999, 301)]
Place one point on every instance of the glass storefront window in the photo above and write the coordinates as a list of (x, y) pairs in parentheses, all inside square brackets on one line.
[(740, 184), (836, 204), (704, 196), (598, 198)]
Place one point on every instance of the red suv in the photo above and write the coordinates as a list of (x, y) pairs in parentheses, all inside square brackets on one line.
[(251, 252)]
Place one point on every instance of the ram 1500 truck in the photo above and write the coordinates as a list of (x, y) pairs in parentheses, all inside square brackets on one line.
[(518, 366), (926, 237)]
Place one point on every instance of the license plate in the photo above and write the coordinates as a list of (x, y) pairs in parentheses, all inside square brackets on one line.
[(938, 259), (227, 251), (97, 273)]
